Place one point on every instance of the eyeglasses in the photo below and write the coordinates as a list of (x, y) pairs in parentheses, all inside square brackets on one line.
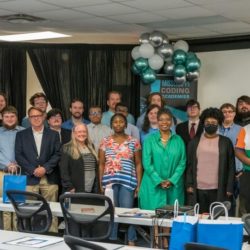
[(193, 107), (95, 113), (35, 116), (227, 111), (40, 102)]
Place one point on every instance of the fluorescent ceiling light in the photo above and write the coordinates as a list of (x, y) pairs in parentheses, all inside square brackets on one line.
[(32, 36)]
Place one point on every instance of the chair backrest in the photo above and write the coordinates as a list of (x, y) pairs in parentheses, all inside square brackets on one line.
[(198, 246), (219, 210), (246, 219), (90, 217), (76, 243), (33, 216)]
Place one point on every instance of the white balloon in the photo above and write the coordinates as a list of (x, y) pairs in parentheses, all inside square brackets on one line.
[(146, 50), (155, 62), (181, 44), (135, 53)]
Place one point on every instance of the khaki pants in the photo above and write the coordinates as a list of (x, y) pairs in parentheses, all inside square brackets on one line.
[(9, 219), (50, 193)]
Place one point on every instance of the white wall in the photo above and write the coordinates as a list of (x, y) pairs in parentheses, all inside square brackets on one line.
[(223, 77)]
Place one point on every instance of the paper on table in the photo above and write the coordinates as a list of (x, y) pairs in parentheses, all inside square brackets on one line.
[(35, 242), (137, 213)]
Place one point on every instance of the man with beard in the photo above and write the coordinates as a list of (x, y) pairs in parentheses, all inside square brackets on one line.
[(76, 109), (113, 98), (7, 151), (242, 151), (242, 111)]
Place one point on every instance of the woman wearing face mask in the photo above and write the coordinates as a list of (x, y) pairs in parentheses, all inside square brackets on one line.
[(210, 163)]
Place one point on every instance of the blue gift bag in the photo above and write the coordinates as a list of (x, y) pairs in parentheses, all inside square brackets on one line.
[(184, 230), (223, 233), (14, 182)]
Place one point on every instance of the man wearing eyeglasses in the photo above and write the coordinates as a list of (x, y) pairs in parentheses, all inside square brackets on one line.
[(54, 118), (97, 131), (38, 100), (37, 151)]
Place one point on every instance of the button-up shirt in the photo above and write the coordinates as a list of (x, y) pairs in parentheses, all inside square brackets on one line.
[(232, 133), (7, 145), (69, 123), (97, 133), (38, 136)]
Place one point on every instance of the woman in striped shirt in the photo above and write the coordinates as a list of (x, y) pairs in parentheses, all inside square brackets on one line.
[(120, 166)]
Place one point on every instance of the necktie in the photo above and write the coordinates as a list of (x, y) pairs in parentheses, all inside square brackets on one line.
[(192, 131)]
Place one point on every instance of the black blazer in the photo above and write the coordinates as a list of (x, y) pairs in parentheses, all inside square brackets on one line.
[(72, 174), (28, 158), (182, 130)]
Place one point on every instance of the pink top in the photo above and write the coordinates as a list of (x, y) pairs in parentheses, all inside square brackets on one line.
[(208, 163)]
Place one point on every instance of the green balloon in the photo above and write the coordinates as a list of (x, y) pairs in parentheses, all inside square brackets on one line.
[(148, 76), (141, 64), (179, 71), (135, 70), (193, 64), (191, 55), (179, 57)]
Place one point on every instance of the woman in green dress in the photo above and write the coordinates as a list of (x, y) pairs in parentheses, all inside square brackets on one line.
[(164, 162)]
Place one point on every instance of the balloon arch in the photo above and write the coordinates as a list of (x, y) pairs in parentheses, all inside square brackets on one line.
[(156, 53)]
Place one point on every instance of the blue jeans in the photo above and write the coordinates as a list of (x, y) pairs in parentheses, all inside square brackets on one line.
[(123, 197)]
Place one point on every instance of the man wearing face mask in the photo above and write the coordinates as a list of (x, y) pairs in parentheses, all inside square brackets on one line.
[(210, 163)]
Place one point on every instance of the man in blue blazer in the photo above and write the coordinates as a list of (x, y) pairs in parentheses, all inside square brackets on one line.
[(37, 151)]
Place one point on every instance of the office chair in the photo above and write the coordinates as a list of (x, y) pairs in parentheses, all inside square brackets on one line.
[(91, 222), (76, 243), (33, 216), (198, 246), (246, 219), (220, 210)]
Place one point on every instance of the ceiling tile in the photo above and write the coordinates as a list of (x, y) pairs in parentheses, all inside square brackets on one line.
[(75, 3), (108, 9), (64, 14), (187, 12), (141, 17), (26, 6), (230, 26), (157, 4)]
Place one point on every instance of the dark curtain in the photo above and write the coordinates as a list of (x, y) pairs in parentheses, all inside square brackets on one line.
[(13, 74), (87, 72)]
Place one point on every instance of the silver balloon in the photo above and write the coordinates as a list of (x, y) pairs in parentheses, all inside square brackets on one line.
[(180, 80), (165, 40), (165, 51), (168, 68), (144, 38), (191, 76), (156, 38)]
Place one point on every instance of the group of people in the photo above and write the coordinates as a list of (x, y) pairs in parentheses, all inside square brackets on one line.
[(200, 160)]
